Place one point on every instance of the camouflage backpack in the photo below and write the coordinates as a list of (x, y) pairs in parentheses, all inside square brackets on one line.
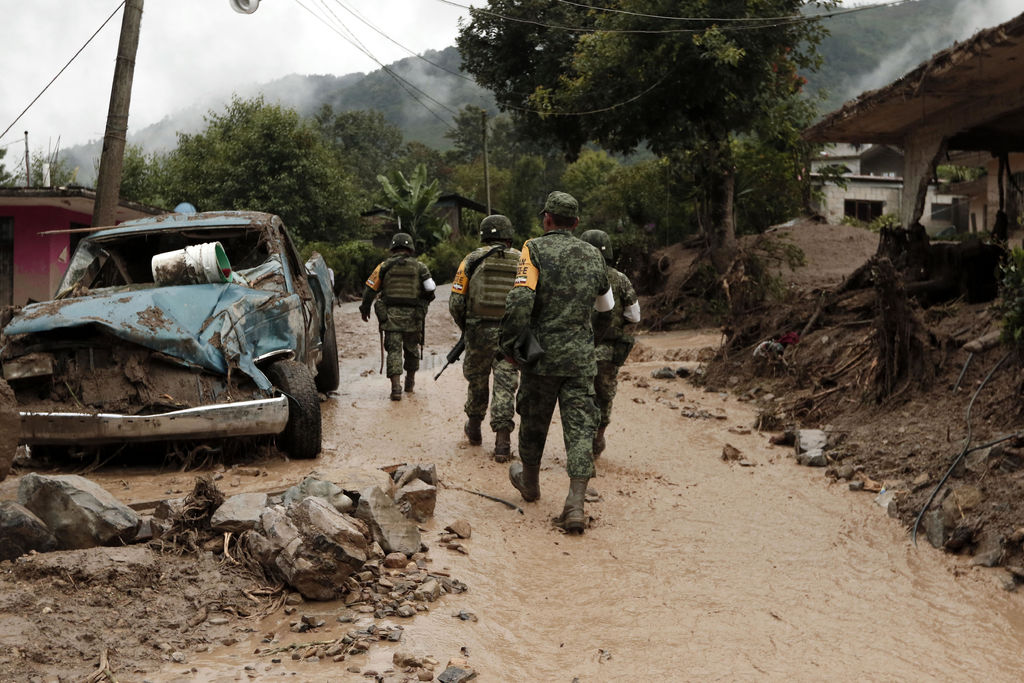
[(489, 285), (401, 282)]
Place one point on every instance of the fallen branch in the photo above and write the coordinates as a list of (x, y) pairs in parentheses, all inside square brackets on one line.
[(488, 496), (104, 672)]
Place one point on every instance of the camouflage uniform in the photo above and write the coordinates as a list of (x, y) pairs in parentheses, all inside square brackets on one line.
[(400, 310), (481, 329), (612, 344), (558, 280)]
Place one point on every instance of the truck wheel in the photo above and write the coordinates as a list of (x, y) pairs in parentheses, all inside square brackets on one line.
[(327, 373), (301, 436)]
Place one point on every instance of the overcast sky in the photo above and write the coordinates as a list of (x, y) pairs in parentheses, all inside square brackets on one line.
[(188, 49)]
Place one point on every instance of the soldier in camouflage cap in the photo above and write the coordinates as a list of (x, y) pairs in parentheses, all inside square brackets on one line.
[(612, 344), (477, 303), (560, 281), (406, 289)]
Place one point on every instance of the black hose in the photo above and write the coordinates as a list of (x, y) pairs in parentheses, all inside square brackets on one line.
[(963, 452)]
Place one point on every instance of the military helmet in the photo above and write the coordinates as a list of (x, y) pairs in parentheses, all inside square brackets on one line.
[(402, 240), (496, 227), (600, 239)]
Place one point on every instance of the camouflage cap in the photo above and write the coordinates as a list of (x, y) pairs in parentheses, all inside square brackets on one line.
[(562, 204)]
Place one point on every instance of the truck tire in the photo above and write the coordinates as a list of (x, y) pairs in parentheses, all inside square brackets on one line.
[(301, 436), (328, 375)]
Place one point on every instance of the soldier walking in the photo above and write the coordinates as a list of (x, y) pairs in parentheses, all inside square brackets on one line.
[(560, 281), (405, 289), (477, 304), (612, 344)]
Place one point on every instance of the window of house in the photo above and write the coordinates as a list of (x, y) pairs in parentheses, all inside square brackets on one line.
[(863, 209), (942, 212)]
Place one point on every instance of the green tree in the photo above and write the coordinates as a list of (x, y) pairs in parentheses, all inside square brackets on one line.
[(261, 157), (6, 178), (467, 135), (671, 86), (412, 200), (367, 143), (585, 177), (142, 177)]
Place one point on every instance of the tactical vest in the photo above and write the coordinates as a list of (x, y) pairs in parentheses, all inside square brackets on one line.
[(489, 285), (401, 283)]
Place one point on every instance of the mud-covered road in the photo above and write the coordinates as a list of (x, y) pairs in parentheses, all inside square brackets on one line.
[(694, 568)]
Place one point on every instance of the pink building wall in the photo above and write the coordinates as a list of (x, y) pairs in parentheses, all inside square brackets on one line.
[(40, 261)]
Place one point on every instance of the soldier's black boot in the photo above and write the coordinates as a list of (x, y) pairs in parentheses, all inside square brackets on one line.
[(526, 480), (573, 519), (472, 430), (410, 381), (502, 446), (599, 443), (396, 387)]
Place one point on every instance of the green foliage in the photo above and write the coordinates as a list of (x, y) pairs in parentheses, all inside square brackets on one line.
[(365, 141), (1011, 303), (142, 178), (411, 200), (261, 157), (444, 259), (958, 174), (351, 262), (886, 221)]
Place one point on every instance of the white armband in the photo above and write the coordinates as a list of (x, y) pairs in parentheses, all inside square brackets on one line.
[(632, 314), (605, 302), (428, 285)]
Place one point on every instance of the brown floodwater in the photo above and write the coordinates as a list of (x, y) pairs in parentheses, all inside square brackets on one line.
[(693, 569)]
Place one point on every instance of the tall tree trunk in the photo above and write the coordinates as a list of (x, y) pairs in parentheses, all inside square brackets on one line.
[(722, 230)]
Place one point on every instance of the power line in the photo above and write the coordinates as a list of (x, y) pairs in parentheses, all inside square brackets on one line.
[(73, 58), (405, 84), (779, 21), (822, 15)]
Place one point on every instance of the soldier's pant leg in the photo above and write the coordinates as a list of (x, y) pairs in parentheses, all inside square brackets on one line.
[(605, 385), (503, 398), (535, 403), (476, 368), (393, 347), (411, 346), (579, 424)]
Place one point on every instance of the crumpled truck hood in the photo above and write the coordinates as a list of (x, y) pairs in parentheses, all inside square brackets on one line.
[(213, 326)]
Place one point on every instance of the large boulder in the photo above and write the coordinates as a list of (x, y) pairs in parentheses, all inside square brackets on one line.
[(318, 488), (21, 531), (389, 527), (312, 546), (10, 426), (239, 513), (80, 513)]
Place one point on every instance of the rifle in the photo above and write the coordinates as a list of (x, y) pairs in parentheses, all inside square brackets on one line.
[(453, 355)]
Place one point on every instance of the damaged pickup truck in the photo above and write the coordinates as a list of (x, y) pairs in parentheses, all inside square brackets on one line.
[(176, 328)]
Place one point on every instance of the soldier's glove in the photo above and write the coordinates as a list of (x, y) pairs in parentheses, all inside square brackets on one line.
[(365, 315)]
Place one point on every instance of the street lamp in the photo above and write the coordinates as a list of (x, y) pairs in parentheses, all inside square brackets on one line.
[(244, 6)]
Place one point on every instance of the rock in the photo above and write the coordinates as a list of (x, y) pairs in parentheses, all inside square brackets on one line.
[(416, 500), (21, 531), (402, 659), (388, 526), (664, 373), (731, 453), (168, 509), (934, 524), (989, 552), (857, 485), (217, 621), (79, 512), (10, 424), (456, 674), (312, 546), (961, 500), (354, 481), (406, 611), (810, 447), (329, 491), (395, 560), (429, 591), (425, 473), (239, 513), (460, 528), (845, 472)]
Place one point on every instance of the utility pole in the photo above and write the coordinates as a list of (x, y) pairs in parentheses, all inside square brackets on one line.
[(28, 167), (487, 178), (108, 182)]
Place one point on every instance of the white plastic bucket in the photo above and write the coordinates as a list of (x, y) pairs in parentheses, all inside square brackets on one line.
[(198, 264)]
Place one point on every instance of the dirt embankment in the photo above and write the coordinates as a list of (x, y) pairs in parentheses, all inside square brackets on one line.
[(898, 392)]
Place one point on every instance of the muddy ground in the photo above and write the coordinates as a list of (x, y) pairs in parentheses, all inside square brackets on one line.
[(693, 567)]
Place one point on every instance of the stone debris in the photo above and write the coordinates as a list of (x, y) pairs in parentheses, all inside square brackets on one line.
[(387, 524), (21, 531), (460, 528), (79, 512), (239, 513), (730, 453), (416, 500), (810, 447), (664, 373), (318, 488)]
